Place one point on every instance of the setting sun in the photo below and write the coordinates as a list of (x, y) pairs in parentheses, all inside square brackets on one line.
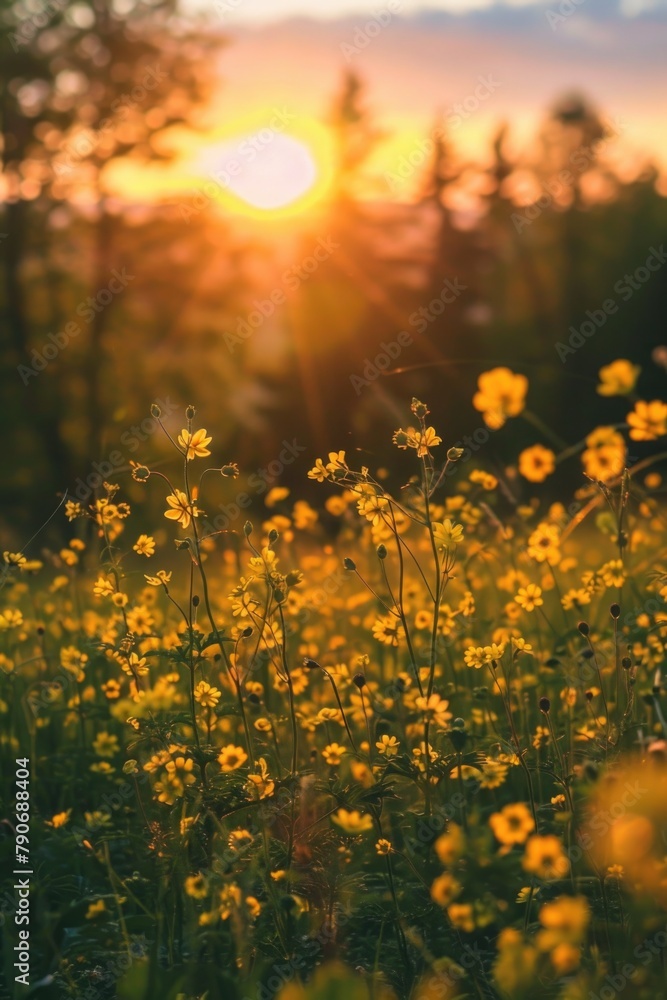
[(266, 167)]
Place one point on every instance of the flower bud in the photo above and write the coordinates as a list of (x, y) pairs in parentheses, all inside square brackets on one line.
[(247, 529), (381, 551), (615, 612), (155, 411), (583, 628), (418, 408), (359, 680), (349, 563), (195, 600), (278, 596), (626, 662), (454, 454), (247, 632), (545, 705), (273, 536), (230, 471), (310, 664), (190, 413)]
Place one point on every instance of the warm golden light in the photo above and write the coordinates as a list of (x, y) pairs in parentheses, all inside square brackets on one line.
[(270, 167)]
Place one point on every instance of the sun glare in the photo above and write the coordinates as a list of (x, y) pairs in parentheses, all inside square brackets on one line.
[(268, 170)]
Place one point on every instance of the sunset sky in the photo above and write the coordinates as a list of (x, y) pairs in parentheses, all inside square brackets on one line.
[(430, 56)]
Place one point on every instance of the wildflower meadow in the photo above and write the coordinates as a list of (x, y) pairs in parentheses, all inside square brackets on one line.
[(422, 755)]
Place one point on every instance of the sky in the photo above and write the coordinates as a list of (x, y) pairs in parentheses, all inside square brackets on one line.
[(268, 11), (428, 57)]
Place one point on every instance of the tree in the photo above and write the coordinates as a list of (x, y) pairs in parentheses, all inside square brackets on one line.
[(82, 88)]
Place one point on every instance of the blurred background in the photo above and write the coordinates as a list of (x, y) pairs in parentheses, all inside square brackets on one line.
[(296, 214)]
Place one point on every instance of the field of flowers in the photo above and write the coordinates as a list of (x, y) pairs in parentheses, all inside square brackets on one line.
[(423, 756)]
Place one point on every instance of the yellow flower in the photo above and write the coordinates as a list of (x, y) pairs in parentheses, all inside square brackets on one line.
[(261, 785), (613, 573), (11, 618), (450, 846), (545, 858), (231, 757), (513, 824), (95, 909), (72, 659), (565, 918), (604, 456), (333, 754), (575, 598), (388, 745), (462, 916), (544, 544), (144, 545), (161, 578), (427, 439), (618, 378), (483, 479), (13, 558), (536, 463), (529, 597), (196, 886), (275, 495), (102, 587), (180, 509), (106, 745), (648, 421), (140, 620), (478, 656), (445, 889), (195, 445), (60, 819), (493, 774), (447, 534), (436, 707), (388, 630), (501, 394), (412, 438), (206, 695), (319, 471), (474, 656), (352, 821)]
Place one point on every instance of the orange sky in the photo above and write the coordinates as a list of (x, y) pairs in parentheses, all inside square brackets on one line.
[(510, 57)]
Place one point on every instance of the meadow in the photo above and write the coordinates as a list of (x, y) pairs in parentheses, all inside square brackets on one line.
[(421, 755)]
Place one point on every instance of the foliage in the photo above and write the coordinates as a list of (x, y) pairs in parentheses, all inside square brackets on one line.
[(424, 760)]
